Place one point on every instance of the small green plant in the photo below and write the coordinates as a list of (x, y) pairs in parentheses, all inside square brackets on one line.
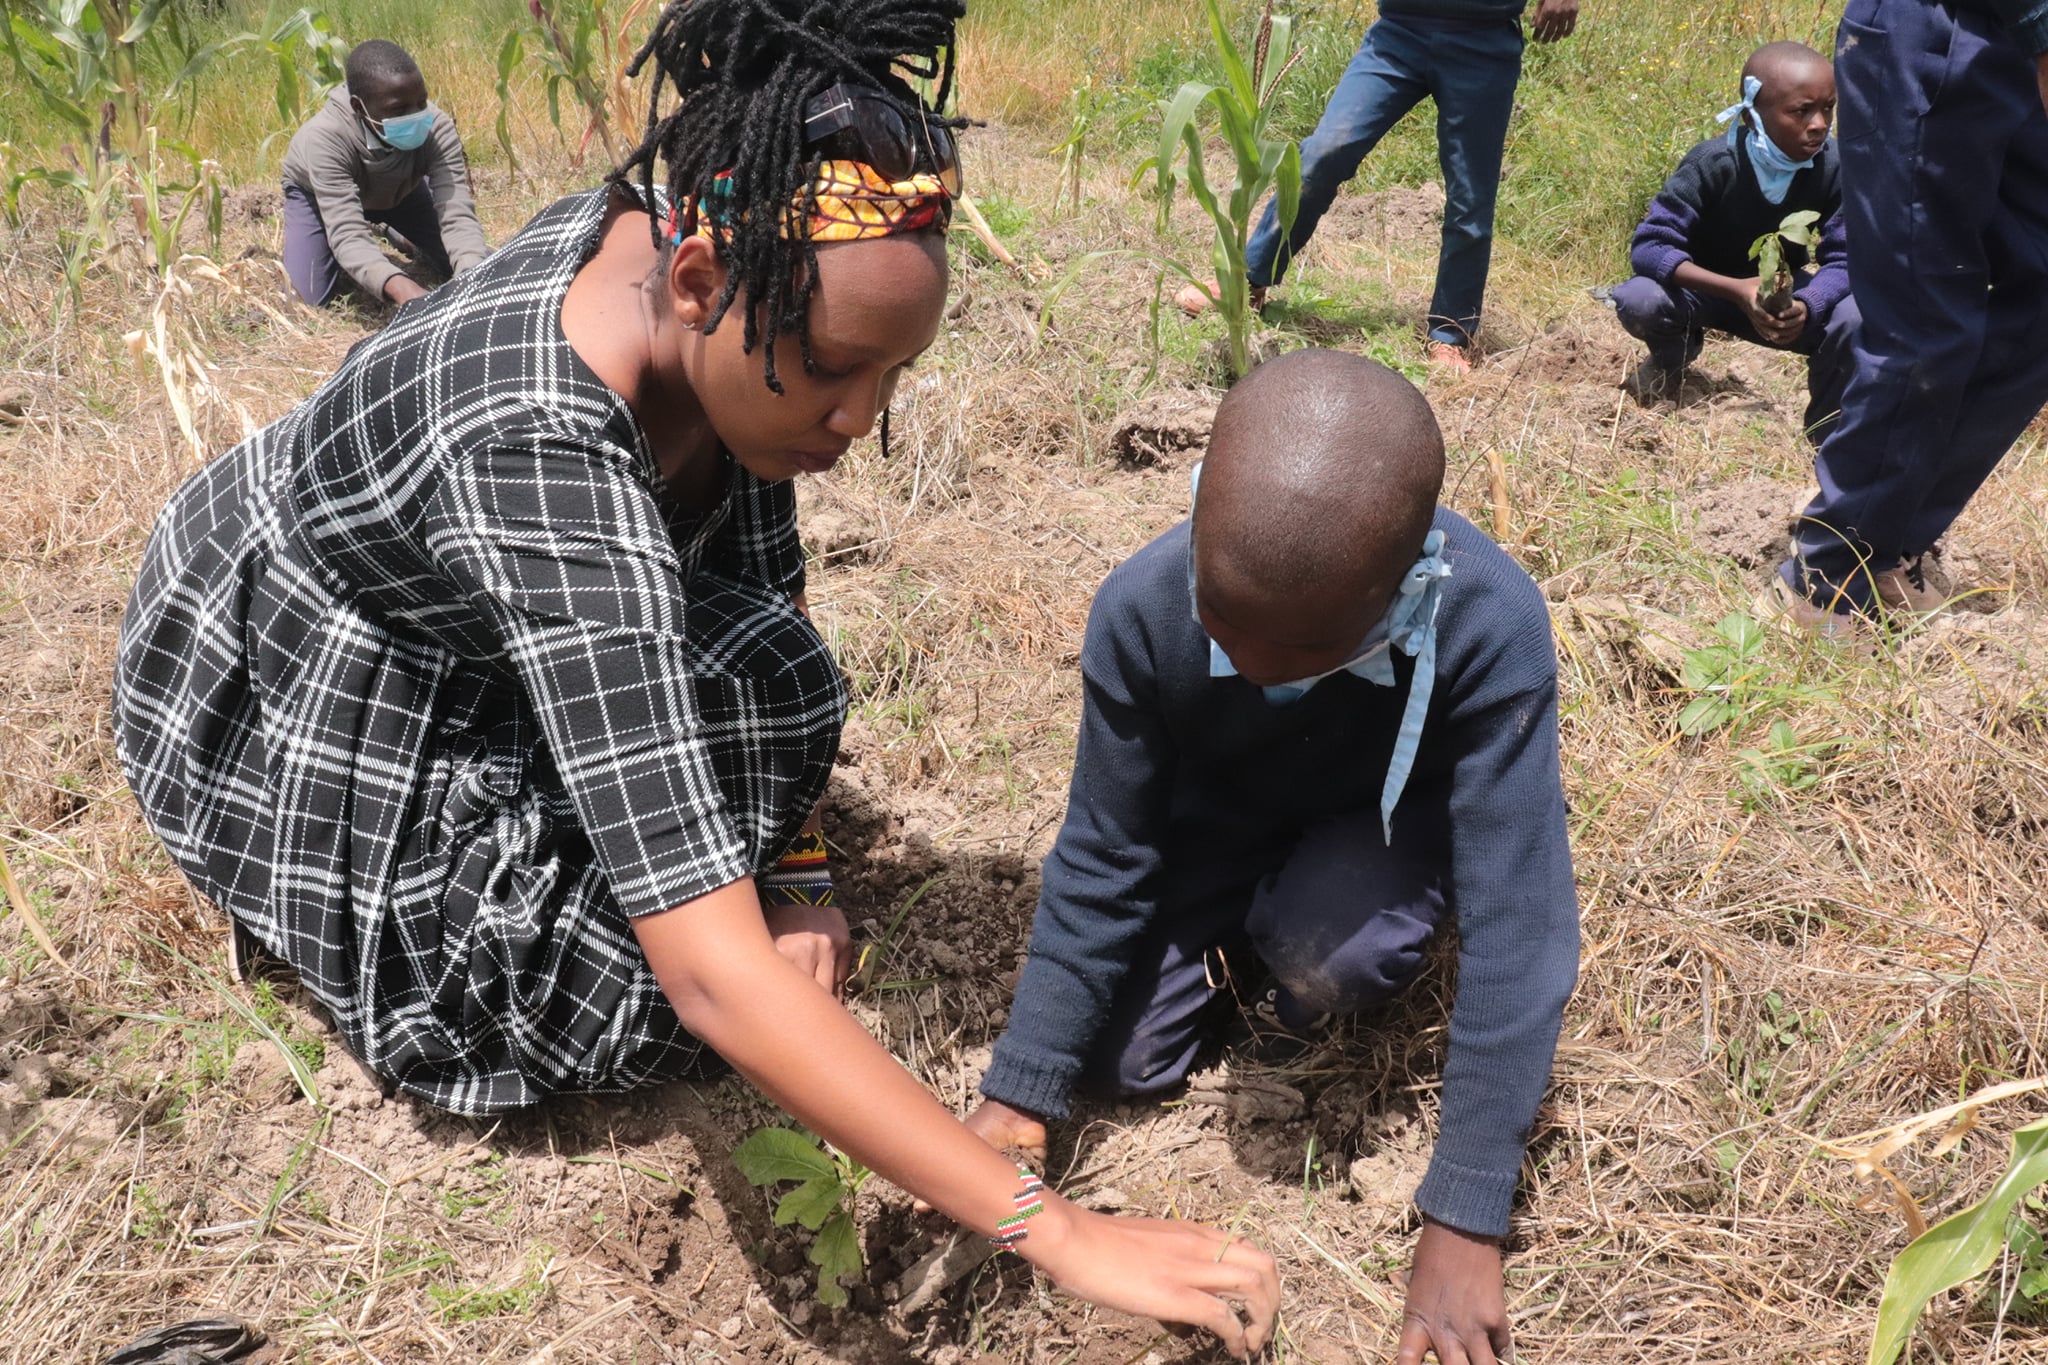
[(1774, 277), (1724, 675), (1244, 106), (1753, 1066), (471, 1303), (822, 1201), (1780, 766), (1961, 1247)]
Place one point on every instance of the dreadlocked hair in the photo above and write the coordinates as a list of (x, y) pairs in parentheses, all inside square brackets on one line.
[(743, 71)]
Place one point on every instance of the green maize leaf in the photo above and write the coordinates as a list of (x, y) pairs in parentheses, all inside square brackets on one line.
[(1287, 186), (774, 1154), (1958, 1248), (1234, 69), (835, 1253), (510, 53), (810, 1203), (139, 27), (1178, 117)]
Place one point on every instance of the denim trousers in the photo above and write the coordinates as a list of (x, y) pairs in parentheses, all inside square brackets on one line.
[(1471, 71), (1945, 189)]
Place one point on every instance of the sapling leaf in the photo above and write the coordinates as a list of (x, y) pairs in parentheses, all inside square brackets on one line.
[(810, 1203), (835, 1253), (774, 1154)]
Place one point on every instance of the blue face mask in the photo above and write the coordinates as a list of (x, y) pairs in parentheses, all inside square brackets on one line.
[(405, 132), (1774, 170)]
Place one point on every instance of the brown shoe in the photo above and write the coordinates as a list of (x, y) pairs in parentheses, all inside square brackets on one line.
[(1791, 609), (1197, 299), (1449, 359), (1908, 590)]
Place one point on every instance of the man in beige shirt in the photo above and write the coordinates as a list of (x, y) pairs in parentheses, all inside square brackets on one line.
[(377, 153)]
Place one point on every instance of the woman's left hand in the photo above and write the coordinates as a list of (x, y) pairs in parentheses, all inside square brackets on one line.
[(815, 940)]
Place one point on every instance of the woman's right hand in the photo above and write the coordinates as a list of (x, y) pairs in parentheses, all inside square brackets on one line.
[(1168, 1270), (1171, 1271)]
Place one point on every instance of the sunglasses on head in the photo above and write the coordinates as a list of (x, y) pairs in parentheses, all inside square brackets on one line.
[(860, 123)]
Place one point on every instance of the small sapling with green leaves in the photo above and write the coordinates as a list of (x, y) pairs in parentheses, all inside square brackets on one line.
[(822, 1201), (1774, 277)]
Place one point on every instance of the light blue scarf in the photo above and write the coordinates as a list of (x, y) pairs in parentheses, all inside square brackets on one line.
[(1409, 626), (1774, 170)]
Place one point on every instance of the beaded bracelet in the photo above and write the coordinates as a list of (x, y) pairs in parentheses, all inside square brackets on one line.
[(1030, 1202), (800, 876)]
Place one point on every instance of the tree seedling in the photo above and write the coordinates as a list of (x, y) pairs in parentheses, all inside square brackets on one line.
[(828, 1181), (1774, 277)]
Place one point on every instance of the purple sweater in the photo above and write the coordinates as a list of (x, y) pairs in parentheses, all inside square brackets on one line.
[(1710, 211)]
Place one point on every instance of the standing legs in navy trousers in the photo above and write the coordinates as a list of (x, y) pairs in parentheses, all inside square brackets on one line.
[(1945, 187), (1673, 322), (1342, 925)]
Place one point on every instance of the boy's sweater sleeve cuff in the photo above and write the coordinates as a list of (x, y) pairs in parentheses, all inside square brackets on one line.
[(1037, 1084), (1822, 293), (1466, 1199), (1658, 262)]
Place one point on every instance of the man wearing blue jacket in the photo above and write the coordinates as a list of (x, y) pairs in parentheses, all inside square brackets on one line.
[(1944, 144)]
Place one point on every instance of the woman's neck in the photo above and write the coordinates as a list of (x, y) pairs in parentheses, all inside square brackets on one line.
[(616, 318)]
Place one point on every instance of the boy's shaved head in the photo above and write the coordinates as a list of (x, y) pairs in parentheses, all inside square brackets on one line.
[(1779, 65), (377, 63), (1321, 479)]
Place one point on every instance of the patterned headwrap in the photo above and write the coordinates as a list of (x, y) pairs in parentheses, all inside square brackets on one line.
[(849, 201)]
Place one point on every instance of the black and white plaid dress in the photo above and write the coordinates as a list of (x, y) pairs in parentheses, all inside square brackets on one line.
[(425, 686)]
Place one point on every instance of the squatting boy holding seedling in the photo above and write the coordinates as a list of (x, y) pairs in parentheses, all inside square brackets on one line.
[(1695, 270), (379, 152), (1317, 714)]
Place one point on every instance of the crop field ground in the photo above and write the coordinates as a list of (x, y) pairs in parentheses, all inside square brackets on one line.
[(1815, 914)]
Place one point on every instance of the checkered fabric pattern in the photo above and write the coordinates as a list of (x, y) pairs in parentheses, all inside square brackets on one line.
[(427, 687)]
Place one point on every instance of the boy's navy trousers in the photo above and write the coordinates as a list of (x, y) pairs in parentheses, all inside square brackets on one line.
[(1341, 923), (1945, 187)]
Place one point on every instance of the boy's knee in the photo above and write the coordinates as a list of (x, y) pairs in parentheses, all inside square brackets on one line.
[(1644, 307), (1344, 924)]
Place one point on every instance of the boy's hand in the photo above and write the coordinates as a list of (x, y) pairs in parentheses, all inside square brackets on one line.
[(1003, 1128), (1455, 1304), (1780, 329), (1006, 1130), (403, 289), (1556, 19), (814, 939)]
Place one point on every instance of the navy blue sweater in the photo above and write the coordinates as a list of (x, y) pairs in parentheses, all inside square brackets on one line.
[(1183, 781), (1710, 212), (2028, 19), (1452, 11)]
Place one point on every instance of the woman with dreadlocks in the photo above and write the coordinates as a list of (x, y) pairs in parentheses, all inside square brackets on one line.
[(479, 689)]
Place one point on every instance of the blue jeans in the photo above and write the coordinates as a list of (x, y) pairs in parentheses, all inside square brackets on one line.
[(1340, 920), (1945, 189), (1471, 72)]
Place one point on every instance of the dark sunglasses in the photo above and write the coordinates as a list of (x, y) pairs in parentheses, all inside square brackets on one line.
[(860, 123)]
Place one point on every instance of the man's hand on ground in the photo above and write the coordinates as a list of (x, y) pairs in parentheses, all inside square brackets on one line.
[(1455, 1304), (1556, 19), (403, 289)]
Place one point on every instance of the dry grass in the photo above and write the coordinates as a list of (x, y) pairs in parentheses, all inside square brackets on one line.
[(1763, 966)]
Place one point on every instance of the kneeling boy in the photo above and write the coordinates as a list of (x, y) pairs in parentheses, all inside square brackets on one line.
[(377, 153), (1318, 715), (1691, 253)]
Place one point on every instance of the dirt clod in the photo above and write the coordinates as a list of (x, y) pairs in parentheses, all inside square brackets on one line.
[(1748, 522), (1166, 428)]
